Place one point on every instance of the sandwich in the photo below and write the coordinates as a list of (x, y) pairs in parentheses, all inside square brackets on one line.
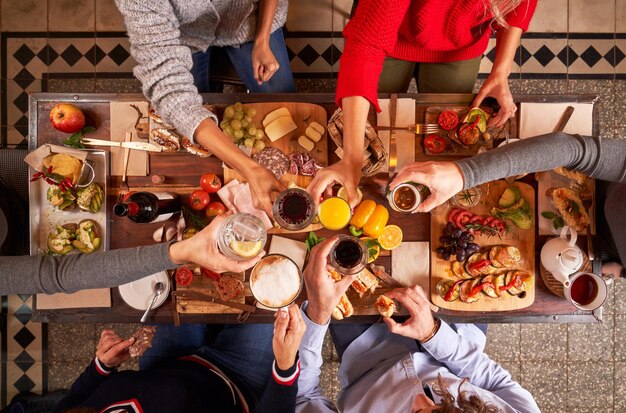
[(385, 306), (365, 281), (575, 176), (344, 308), (571, 208)]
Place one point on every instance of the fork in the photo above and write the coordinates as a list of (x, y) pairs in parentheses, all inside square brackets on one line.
[(418, 128)]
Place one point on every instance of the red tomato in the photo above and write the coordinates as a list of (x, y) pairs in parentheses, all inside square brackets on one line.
[(435, 144), (210, 183), (453, 214), (215, 208), (462, 218), (199, 199), (212, 275), (183, 276), (448, 119)]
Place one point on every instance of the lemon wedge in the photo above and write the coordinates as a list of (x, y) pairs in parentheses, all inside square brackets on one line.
[(246, 249), (343, 194)]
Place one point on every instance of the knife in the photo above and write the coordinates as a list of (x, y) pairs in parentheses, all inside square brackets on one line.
[(142, 146), (198, 296), (379, 271), (564, 119), (393, 153)]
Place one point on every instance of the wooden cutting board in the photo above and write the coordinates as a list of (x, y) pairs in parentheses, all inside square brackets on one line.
[(302, 114), (522, 239), (204, 285)]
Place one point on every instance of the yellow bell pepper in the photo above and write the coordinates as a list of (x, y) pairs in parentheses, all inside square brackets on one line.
[(376, 222), (362, 213)]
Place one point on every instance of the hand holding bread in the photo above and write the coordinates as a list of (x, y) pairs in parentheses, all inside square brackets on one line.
[(421, 322)]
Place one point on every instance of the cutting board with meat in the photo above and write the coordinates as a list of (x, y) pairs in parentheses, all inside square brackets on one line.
[(565, 198), (490, 251), (228, 286), (307, 161), (464, 130)]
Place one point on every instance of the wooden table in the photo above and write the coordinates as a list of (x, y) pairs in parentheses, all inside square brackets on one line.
[(546, 308)]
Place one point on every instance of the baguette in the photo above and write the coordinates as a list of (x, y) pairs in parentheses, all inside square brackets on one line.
[(575, 176), (385, 306), (571, 208), (365, 281), (344, 307)]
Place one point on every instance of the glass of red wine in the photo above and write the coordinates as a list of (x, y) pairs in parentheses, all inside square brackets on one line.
[(294, 209), (349, 255)]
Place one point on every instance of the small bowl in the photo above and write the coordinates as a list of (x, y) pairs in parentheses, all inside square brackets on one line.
[(87, 174), (269, 260)]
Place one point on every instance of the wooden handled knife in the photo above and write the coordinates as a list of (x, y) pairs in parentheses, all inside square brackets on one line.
[(198, 296)]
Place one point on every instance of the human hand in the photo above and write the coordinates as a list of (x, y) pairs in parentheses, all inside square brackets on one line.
[(263, 183), (264, 63), (289, 328), (420, 323), (202, 250), (346, 173), (444, 179), (497, 86), (112, 350), (322, 291)]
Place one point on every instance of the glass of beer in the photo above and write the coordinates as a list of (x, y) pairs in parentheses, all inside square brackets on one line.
[(275, 281)]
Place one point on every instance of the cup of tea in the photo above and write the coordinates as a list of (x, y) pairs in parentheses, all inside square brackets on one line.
[(275, 281), (587, 291), (349, 255), (294, 209)]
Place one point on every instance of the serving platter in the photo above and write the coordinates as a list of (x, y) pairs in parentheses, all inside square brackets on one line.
[(524, 240)]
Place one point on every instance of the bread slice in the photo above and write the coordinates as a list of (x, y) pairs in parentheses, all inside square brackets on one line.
[(343, 309), (385, 306), (575, 176), (365, 281), (571, 208)]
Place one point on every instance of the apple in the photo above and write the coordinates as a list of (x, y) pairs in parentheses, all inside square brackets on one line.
[(67, 118)]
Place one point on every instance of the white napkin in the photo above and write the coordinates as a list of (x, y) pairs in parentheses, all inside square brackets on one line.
[(123, 118), (410, 264), (541, 118), (405, 139), (296, 250)]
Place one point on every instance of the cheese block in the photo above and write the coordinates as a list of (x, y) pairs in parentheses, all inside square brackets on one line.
[(275, 114), (306, 143), (313, 134), (319, 128), (279, 127)]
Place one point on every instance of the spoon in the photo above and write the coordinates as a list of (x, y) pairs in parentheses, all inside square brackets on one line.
[(158, 290)]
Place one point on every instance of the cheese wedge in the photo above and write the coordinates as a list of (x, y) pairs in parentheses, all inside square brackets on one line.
[(319, 128), (280, 127), (306, 143), (275, 114), (313, 134)]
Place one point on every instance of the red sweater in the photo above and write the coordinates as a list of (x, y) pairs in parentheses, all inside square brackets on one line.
[(417, 31)]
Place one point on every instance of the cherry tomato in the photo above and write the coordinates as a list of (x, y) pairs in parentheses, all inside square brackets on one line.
[(210, 183), (183, 276), (127, 194), (212, 275), (199, 199), (435, 144), (448, 119), (214, 209)]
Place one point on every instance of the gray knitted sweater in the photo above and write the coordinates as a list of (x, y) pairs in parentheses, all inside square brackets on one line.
[(163, 35)]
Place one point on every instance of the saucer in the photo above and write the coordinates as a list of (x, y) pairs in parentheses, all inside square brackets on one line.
[(138, 294)]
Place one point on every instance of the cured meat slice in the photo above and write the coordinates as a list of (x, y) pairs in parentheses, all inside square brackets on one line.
[(229, 288), (143, 340), (274, 160)]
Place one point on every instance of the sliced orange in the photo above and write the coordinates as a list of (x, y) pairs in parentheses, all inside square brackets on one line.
[(391, 237)]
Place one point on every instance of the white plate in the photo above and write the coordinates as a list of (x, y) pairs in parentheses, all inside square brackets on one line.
[(137, 294)]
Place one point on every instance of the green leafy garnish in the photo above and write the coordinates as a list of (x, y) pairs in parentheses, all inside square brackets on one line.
[(558, 222), (76, 140), (193, 220), (312, 240), (548, 215)]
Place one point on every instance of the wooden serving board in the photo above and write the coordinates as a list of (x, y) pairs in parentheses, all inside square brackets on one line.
[(522, 239), (204, 285), (550, 179), (302, 114)]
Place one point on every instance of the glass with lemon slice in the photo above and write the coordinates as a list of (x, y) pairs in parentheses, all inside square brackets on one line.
[(242, 236)]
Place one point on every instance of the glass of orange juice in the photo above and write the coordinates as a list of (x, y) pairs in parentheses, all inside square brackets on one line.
[(334, 213)]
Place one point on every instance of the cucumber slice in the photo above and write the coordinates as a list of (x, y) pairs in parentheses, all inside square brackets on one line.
[(508, 198)]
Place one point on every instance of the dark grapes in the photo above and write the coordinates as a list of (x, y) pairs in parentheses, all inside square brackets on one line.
[(456, 242)]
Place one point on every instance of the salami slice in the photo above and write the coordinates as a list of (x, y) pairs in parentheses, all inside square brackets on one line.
[(229, 288), (274, 160), (143, 340)]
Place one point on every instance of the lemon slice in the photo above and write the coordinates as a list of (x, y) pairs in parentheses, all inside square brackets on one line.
[(343, 194), (246, 249), (391, 237)]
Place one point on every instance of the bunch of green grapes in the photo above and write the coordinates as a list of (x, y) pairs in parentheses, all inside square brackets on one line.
[(237, 123)]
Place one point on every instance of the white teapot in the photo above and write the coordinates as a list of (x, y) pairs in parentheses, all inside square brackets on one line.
[(561, 256)]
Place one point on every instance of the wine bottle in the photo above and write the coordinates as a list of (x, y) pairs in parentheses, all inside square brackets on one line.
[(144, 207)]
